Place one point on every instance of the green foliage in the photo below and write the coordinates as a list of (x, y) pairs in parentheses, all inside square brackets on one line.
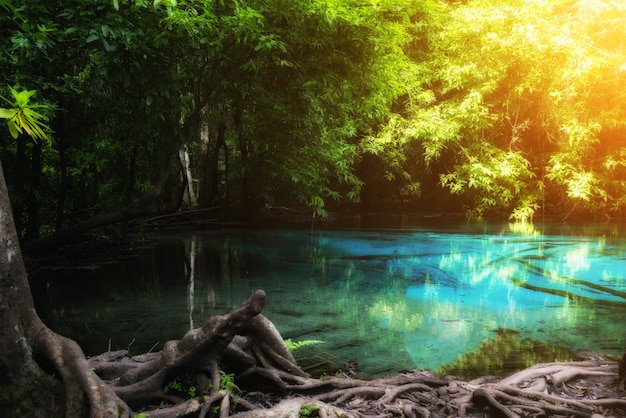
[(227, 382), (23, 116), (309, 410), (507, 111), (177, 386), (295, 345), (494, 180), (513, 107)]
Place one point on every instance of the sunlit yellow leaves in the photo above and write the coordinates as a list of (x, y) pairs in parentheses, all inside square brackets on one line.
[(615, 161), (457, 76), (496, 179), (579, 134), (426, 97), (581, 185), (528, 88)]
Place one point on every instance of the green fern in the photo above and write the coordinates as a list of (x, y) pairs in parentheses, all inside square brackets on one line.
[(295, 345)]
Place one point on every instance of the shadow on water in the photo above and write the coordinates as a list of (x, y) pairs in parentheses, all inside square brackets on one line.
[(465, 299)]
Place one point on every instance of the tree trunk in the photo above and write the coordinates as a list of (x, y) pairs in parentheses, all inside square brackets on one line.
[(19, 189), (27, 345), (189, 194), (62, 189), (245, 198), (32, 204), (19, 374), (209, 186)]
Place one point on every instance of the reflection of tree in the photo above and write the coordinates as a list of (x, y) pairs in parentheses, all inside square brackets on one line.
[(503, 354), (535, 263), (570, 296), (393, 313), (191, 257), (449, 289)]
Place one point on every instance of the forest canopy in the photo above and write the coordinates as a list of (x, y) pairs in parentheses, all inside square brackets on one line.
[(507, 108)]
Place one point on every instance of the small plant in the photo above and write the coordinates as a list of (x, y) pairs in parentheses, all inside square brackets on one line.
[(23, 116), (227, 382), (142, 415), (309, 410), (173, 385), (176, 385), (295, 345)]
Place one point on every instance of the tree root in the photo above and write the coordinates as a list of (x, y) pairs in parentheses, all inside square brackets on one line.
[(293, 407), (79, 379), (247, 344)]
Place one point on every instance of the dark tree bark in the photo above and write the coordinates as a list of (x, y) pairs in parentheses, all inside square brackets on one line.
[(19, 189), (33, 224), (246, 196), (27, 345), (209, 184)]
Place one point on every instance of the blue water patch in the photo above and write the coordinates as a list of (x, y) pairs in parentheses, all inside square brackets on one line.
[(390, 298)]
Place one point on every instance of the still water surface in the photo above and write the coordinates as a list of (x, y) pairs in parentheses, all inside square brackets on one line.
[(488, 298)]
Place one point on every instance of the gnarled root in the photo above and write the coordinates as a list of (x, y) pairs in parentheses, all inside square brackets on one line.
[(554, 389), (248, 344), (244, 338), (79, 379), (293, 407)]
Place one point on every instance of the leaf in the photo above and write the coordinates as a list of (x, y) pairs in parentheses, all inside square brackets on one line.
[(108, 46), (22, 97), (295, 345), (7, 113), (13, 129)]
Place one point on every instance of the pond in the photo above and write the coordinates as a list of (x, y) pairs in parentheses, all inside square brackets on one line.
[(463, 298)]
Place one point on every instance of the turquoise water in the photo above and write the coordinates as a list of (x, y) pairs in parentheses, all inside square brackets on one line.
[(391, 298)]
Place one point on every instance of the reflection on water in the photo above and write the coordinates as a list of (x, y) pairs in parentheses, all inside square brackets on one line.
[(391, 299)]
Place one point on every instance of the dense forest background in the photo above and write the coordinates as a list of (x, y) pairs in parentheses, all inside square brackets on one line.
[(509, 108)]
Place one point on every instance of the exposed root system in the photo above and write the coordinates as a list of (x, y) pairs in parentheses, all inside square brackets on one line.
[(264, 380)]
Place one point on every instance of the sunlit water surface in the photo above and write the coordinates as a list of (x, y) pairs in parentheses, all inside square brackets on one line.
[(479, 296)]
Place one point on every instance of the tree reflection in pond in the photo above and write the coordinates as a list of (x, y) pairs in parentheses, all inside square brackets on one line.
[(391, 299)]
